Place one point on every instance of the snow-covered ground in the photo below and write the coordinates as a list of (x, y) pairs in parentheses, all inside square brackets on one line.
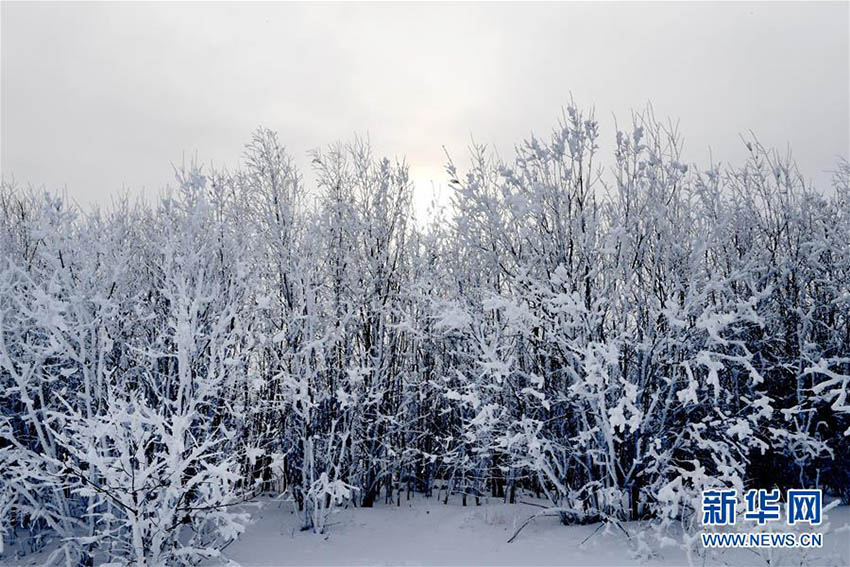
[(424, 531)]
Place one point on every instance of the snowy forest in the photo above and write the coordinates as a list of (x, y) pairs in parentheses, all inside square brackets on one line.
[(608, 332)]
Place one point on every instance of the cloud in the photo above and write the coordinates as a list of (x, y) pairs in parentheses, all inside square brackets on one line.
[(104, 95)]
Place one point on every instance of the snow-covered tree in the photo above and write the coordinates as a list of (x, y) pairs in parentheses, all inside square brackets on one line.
[(611, 333)]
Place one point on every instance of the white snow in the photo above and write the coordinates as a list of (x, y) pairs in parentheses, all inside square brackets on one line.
[(424, 531)]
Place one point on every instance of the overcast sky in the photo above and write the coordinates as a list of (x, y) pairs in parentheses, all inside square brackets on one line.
[(96, 97)]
